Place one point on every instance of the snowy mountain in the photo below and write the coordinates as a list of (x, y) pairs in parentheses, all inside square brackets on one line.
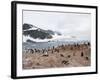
[(32, 33)]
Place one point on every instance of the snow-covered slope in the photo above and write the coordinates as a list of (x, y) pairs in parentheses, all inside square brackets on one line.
[(35, 34)]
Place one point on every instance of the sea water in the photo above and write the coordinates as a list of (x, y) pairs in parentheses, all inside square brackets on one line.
[(50, 44)]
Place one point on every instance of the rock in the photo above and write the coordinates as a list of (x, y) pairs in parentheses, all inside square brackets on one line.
[(65, 62), (46, 55), (61, 55), (69, 56), (86, 58)]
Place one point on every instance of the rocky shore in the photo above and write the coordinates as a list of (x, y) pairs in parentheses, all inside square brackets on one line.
[(74, 55)]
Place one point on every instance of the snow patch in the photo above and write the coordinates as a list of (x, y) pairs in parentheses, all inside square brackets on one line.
[(32, 28), (55, 38)]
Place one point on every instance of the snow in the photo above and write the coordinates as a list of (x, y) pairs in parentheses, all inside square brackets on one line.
[(32, 28), (55, 38)]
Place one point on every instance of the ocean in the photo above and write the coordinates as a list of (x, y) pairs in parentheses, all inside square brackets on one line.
[(50, 44)]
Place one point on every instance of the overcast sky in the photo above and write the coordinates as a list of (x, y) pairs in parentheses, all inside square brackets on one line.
[(74, 24)]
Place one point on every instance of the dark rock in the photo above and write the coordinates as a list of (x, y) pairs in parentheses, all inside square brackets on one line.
[(65, 62), (61, 55), (26, 26), (69, 56), (45, 55), (86, 58)]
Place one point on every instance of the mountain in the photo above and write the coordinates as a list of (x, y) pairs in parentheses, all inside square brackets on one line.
[(27, 26), (37, 33)]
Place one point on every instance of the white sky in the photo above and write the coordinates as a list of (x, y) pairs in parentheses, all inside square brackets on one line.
[(74, 24)]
